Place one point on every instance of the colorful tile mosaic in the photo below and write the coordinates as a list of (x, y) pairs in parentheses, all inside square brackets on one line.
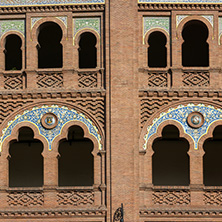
[(180, 18), (64, 116), (155, 22), (12, 25), (47, 2), (180, 115), (181, 1), (86, 23)]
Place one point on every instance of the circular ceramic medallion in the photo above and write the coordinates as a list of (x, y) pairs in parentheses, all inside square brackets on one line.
[(195, 120), (49, 120)]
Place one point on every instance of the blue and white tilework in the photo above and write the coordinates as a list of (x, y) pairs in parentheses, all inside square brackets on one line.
[(34, 20), (180, 18), (181, 1), (155, 22), (12, 25), (64, 115), (220, 28), (180, 115), (63, 19), (47, 2), (210, 19)]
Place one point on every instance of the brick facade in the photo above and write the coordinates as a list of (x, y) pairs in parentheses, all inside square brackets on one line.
[(122, 105)]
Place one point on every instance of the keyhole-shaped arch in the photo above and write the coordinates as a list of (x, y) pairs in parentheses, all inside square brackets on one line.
[(195, 49), (50, 49)]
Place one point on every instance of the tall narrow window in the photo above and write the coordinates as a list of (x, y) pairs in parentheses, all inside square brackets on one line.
[(157, 52), (26, 161), (195, 49), (87, 51), (170, 159), (49, 48), (13, 52), (76, 160), (212, 165)]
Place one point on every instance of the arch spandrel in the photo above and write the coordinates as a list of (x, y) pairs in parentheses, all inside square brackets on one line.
[(179, 117), (65, 117)]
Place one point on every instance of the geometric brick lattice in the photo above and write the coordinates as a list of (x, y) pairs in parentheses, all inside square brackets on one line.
[(87, 79), (169, 197), (75, 198), (25, 199), (14, 81), (196, 78), (158, 79), (213, 197), (50, 80)]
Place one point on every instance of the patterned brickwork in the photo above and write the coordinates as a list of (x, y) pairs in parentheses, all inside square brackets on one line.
[(213, 197), (150, 105), (158, 79), (87, 79), (196, 78), (75, 198), (169, 197), (94, 106), (25, 199), (50, 80), (14, 81)]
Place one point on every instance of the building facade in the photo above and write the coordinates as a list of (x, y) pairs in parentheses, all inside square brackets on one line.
[(110, 103)]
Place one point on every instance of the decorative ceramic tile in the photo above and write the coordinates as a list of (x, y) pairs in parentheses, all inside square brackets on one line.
[(180, 1), (47, 2), (210, 18), (34, 20), (180, 18), (64, 116), (86, 23), (180, 115), (12, 25), (155, 22), (63, 19), (220, 28)]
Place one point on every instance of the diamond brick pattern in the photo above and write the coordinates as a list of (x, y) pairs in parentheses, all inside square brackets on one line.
[(157, 79), (50, 80), (169, 197), (213, 197), (196, 78), (75, 198), (87, 79), (25, 199), (14, 81)]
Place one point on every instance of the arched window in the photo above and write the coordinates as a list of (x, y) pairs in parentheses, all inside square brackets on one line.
[(195, 49), (26, 161), (212, 164), (76, 160), (170, 161), (49, 48), (157, 52), (13, 52), (87, 51)]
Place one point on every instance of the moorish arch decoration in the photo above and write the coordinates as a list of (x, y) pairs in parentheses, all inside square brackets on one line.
[(50, 121), (194, 119)]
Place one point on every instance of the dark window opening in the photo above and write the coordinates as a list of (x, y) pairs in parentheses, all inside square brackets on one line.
[(87, 51), (26, 161), (170, 161), (76, 162), (157, 52), (212, 164), (50, 49), (13, 53), (195, 49)]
